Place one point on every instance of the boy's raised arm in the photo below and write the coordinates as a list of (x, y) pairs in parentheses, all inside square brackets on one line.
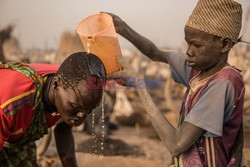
[(146, 46)]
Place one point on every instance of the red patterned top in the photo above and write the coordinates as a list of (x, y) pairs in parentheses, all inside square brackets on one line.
[(16, 102)]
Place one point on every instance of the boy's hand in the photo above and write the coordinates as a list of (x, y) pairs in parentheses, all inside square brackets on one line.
[(118, 22), (127, 73)]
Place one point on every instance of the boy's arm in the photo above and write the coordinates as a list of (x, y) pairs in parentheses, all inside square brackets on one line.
[(65, 144), (146, 46), (177, 140)]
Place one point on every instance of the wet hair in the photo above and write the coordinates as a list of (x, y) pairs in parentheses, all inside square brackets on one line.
[(79, 66)]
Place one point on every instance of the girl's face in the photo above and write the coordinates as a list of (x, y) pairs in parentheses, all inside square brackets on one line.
[(74, 104), (204, 50)]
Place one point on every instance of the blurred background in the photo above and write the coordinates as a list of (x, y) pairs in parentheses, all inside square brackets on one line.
[(35, 31), (39, 24)]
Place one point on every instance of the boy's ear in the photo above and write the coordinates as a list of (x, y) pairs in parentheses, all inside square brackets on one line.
[(57, 81), (226, 44)]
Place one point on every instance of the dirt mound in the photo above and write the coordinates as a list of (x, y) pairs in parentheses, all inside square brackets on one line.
[(111, 147)]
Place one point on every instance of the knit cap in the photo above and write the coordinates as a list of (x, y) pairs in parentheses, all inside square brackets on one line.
[(217, 17)]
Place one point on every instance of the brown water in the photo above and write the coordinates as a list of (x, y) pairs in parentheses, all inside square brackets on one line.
[(88, 43)]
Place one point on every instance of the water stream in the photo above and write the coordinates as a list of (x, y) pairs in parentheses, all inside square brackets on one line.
[(93, 134)]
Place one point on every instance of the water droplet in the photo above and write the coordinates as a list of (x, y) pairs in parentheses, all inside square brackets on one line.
[(88, 44), (103, 121)]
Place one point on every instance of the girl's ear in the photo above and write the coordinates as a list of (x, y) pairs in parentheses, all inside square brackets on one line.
[(226, 44)]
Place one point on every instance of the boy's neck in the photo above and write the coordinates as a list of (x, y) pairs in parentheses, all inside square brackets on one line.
[(48, 102), (209, 72)]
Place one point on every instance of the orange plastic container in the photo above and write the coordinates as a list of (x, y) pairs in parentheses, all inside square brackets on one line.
[(99, 37)]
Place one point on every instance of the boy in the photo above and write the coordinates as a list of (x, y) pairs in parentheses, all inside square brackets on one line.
[(34, 97), (209, 131)]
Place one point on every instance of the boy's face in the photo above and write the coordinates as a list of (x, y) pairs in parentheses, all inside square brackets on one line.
[(74, 104), (204, 50)]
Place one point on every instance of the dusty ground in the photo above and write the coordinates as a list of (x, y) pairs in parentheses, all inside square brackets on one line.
[(247, 148), (125, 147)]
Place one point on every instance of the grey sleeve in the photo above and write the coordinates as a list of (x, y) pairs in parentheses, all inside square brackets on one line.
[(178, 66), (214, 107)]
